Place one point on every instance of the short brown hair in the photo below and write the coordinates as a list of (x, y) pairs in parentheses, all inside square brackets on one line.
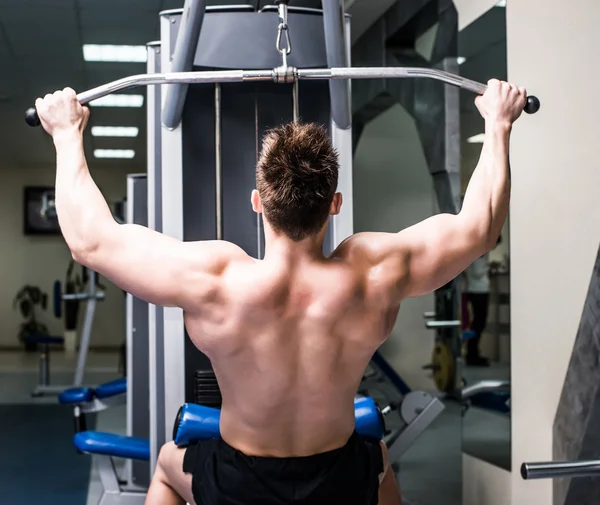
[(296, 177)]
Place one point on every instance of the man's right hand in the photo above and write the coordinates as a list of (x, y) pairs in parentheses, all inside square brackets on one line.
[(502, 102), (62, 112)]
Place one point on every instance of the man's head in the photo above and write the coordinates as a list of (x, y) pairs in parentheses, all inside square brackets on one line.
[(296, 180)]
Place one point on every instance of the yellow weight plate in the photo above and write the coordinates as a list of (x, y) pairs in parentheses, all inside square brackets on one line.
[(443, 367)]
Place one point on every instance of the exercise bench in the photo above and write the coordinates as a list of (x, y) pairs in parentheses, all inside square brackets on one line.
[(490, 395), (192, 424), (43, 343), (87, 400), (104, 447)]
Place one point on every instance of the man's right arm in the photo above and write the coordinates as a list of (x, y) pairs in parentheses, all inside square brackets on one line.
[(154, 267), (428, 255)]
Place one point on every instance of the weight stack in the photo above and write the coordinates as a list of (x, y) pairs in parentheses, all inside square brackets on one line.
[(207, 390)]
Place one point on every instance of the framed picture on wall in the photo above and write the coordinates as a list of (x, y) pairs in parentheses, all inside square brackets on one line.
[(39, 215)]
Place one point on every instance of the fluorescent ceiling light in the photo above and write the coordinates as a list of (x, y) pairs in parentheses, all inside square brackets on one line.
[(476, 139), (130, 54), (115, 131), (460, 60), (501, 3), (114, 153), (119, 100)]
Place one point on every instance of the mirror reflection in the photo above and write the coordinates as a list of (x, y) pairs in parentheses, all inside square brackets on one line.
[(485, 284)]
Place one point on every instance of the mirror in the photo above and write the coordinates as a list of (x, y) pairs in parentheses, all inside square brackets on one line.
[(486, 283), (393, 190)]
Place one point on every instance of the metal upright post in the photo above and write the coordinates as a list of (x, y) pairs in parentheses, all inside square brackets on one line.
[(218, 162), (335, 45), (183, 60), (86, 333)]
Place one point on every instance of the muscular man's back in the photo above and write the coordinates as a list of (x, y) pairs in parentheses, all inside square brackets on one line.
[(291, 336), (289, 340)]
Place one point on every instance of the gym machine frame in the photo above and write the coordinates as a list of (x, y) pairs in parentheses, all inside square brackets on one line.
[(180, 76)]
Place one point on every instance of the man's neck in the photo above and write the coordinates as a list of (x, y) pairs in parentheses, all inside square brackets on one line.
[(281, 247)]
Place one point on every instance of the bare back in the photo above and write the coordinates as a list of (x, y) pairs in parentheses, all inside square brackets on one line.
[(289, 342)]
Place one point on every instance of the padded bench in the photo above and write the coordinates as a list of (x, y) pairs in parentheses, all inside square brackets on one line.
[(108, 444), (43, 342), (491, 395), (92, 400), (77, 396), (193, 423), (196, 422), (495, 402), (104, 447)]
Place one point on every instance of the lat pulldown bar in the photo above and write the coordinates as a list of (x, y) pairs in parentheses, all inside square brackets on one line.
[(32, 118)]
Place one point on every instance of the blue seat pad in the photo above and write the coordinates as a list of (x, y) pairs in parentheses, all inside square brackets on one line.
[(44, 339), (109, 444), (496, 402), (76, 396), (113, 388)]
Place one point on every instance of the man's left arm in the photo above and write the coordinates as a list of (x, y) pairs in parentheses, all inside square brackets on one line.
[(159, 269)]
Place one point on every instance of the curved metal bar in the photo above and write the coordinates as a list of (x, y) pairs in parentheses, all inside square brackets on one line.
[(392, 73), (560, 470), (157, 79), (267, 75), (488, 386), (221, 76), (442, 325)]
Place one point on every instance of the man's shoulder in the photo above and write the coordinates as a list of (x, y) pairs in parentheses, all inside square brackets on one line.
[(215, 256), (368, 246), (222, 248)]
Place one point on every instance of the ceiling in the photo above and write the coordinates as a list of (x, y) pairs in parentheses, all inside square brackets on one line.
[(41, 51)]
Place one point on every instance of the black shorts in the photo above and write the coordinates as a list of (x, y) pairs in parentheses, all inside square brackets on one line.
[(222, 475)]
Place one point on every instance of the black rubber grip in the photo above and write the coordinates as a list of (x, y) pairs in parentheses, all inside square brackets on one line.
[(32, 118), (532, 105)]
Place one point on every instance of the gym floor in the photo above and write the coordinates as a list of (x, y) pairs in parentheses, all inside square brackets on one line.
[(486, 434), (18, 377), (430, 471)]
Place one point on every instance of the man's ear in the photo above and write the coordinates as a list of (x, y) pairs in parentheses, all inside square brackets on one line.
[(336, 204), (256, 203)]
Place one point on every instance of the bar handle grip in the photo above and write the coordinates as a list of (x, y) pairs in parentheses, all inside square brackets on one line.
[(532, 105), (32, 118)]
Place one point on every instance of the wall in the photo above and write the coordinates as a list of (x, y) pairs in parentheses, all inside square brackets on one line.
[(42, 260), (393, 190), (484, 483), (555, 218)]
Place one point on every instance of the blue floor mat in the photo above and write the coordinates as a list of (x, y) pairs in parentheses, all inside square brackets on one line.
[(38, 463)]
